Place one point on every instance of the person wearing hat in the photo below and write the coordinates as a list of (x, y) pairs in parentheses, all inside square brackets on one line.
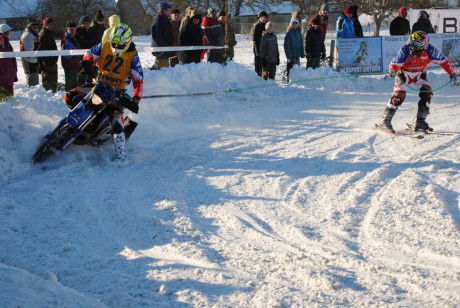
[(71, 64), (230, 51), (314, 45), (113, 21), (174, 19), (86, 38), (29, 42), (191, 34), (293, 45), (322, 19), (213, 31), (423, 23), (269, 52), (345, 27), (48, 65), (9, 66), (98, 26), (400, 25), (162, 35), (256, 32)]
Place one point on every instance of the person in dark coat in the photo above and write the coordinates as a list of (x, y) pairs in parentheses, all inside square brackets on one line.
[(191, 34), (400, 25), (162, 35), (356, 24), (9, 66), (48, 65), (314, 45), (86, 38), (175, 26), (257, 30), (29, 42), (98, 26), (423, 23), (213, 30), (293, 45), (322, 19), (269, 52), (71, 64), (230, 51)]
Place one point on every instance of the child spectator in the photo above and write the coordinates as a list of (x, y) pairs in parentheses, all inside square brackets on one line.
[(293, 45), (9, 66), (269, 53), (314, 45)]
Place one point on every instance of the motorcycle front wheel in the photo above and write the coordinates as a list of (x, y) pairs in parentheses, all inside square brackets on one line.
[(52, 142)]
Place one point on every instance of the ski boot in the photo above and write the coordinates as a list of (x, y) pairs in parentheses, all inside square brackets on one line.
[(385, 123), (419, 122)]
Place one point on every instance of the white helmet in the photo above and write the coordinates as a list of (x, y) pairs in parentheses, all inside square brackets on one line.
[(120, 38)]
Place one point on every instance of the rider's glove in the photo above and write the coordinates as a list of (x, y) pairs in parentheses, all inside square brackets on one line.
[(400, 75), (391, 73), (453, 79)]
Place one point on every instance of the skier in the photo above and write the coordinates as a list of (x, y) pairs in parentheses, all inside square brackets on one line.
[(408, 69), (119, 64)]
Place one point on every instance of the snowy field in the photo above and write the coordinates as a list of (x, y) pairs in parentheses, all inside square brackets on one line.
[(264, 194)]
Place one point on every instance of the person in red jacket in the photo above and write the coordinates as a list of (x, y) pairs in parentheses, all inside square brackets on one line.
[(9, 66), (408, 68)]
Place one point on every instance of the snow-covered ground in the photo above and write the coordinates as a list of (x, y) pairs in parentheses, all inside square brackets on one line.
[(264, 194)]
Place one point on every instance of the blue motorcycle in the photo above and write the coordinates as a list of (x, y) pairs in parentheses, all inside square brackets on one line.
[(88, 122)]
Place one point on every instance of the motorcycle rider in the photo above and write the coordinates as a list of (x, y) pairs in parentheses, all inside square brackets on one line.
[(119, 64), (408, 67)]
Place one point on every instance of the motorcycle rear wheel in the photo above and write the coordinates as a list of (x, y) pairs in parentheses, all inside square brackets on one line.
[(52, 142)]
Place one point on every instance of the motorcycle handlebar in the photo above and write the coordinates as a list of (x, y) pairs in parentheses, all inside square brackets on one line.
[(129, 104)]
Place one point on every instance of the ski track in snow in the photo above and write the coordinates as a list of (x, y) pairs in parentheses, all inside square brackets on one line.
[(277, 196)]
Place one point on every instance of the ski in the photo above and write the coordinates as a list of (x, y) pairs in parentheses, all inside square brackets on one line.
[(431, 132), (397, 134)]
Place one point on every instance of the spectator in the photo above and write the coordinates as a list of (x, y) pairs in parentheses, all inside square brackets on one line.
[(29, 42), (302, 22), (188, 13), (71, 64), (86, 39), (113, 21), (257, 30), (293, 45), (345, 28), (322, 18), (213, 30), (191, 34), (162, 35), (400, 25), (175, 26), (98, 26), (269, 53), (356, 24), (9, 66), (230, 51), (314, 45), (48, 65), (85, 34), (423, 23)]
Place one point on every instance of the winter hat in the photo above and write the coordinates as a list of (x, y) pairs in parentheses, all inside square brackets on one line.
[(314, 21), (32, 24), (47, 21), (5, 28), (347, 10), (324, 6), (421, 13), (262, 13), (195, 14), (70, 24), (222, 13), (176, 11), (84, 19), (294, 21), (400, 10), (164, 6), (210, 10), (98, 16)]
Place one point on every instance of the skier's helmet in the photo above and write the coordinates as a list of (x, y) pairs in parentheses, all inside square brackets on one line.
[(120, 39), (418, 42)]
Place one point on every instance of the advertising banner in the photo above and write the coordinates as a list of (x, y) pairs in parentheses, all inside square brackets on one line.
[(360, 55)]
